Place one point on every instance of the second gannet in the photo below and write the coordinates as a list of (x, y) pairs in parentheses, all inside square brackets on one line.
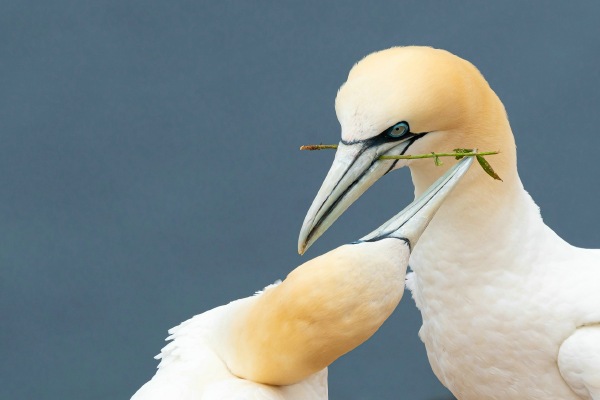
[(510, 310), (277, 345)]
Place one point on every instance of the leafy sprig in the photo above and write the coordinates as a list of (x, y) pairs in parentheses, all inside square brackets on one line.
[(457, 154)]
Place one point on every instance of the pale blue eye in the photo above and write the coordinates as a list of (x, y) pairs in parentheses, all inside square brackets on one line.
[(398, 130)]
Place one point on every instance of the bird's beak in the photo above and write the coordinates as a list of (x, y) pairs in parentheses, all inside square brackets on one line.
[(410, 223), (355, 168)]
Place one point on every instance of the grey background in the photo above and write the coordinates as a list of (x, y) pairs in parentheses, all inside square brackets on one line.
[(149, 167)]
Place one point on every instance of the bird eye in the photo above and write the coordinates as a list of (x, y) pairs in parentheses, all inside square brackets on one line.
[(398, 130)]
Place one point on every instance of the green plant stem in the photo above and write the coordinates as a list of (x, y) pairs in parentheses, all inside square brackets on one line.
[(458, 154), (406, 156), (319, 146), (434, 155)]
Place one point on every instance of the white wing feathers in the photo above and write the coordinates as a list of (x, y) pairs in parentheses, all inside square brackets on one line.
[(191, 367), (579, 361)]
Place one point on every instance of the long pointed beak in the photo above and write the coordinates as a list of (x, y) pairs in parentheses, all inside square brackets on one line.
[(355, 168), (410, 223)]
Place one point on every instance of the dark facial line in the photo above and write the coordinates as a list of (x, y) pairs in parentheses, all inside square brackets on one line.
[(382, 138), (361, 151), (410, 142), (357, 180), (366, 144)]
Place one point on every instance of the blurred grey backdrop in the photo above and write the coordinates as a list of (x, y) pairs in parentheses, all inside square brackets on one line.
[(149, 166)]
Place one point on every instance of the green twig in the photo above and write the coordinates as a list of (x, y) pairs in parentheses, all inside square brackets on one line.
[(435, 155), (458, 154), (319, 146)]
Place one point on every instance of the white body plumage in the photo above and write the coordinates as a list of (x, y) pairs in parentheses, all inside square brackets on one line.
[(496, 311)]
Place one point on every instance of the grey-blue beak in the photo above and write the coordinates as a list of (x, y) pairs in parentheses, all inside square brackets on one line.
[(410, 223), (355, 168)]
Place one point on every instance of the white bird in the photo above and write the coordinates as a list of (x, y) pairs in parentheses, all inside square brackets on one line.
[(510, 310), (278, 343)]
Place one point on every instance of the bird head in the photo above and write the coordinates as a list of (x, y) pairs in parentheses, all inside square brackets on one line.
[(402, 99)]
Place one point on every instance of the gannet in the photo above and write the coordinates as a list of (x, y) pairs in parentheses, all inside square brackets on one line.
[(509, 309), (278, 343)]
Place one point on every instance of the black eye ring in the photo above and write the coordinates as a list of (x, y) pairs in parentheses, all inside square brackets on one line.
[(399, 130)]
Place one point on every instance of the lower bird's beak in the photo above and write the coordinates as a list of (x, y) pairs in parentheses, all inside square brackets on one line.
[(410, 223), (355, 168)]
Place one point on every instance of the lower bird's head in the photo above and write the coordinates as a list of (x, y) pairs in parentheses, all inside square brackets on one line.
[(406, 100)]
